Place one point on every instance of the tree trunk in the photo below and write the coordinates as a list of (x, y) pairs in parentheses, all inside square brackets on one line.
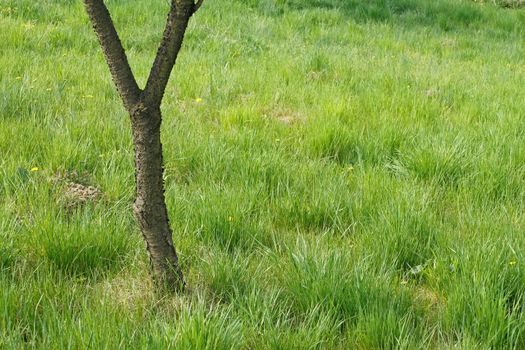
[(144, 109), (150, 206)]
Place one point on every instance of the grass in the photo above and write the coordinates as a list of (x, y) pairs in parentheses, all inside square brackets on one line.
[(340, 174)]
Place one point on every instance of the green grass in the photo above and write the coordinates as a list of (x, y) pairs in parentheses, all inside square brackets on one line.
[(340, 174)]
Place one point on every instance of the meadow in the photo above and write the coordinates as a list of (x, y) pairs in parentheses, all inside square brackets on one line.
[(340, 174)]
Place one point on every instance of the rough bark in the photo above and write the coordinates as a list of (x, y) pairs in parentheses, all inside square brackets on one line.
[(113, 52), (168, 50), (144, 109), (150, 206)]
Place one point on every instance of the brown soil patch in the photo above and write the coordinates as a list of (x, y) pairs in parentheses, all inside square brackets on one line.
[(285, 116), (74, 191)]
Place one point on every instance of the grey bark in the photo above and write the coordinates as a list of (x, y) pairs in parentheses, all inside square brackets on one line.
[(143, 107)]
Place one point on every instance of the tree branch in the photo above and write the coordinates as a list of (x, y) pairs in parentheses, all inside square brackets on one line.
[(176, 24), (197, 6), (113, 52)]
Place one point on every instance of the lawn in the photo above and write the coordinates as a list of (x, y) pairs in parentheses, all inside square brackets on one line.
[(340, 174)]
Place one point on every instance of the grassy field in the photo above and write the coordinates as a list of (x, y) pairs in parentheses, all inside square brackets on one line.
[(340, 174)]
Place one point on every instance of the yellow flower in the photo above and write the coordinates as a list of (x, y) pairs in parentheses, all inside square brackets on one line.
[(48, 89), (33, 169), (230, 218), (513, 262), (198, 100)]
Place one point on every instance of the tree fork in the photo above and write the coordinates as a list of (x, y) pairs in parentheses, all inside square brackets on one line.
[(143, 107)]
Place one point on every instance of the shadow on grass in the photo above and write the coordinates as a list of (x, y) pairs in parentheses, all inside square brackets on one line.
[(444, 15)]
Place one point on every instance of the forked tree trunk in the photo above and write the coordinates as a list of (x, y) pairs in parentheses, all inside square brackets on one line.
[(144, 109)]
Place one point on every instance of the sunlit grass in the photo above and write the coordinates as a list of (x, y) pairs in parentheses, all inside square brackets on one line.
[(339, 174)]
